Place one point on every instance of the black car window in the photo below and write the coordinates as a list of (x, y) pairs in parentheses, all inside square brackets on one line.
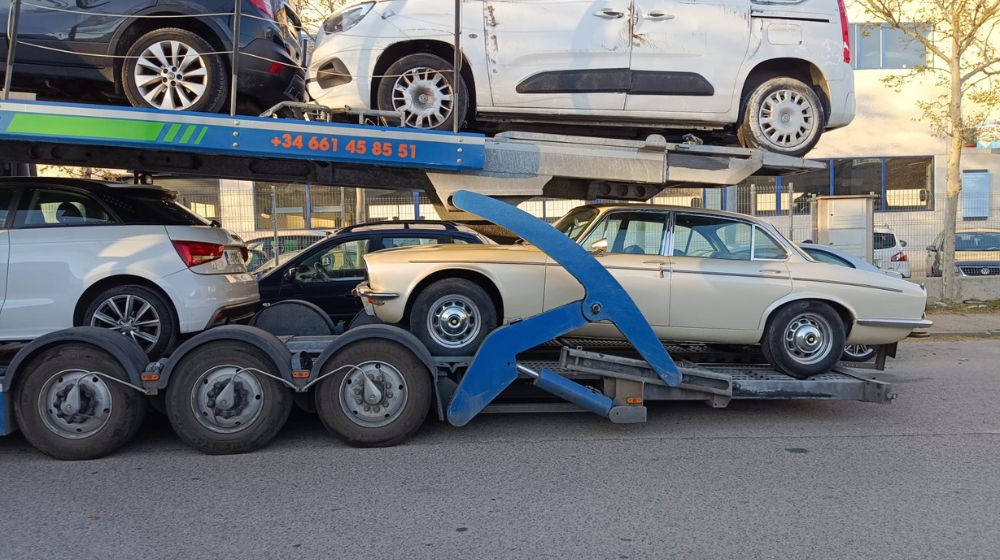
[(342, 261), (143, 207), (6, 197), (391, 241), (54, 208)]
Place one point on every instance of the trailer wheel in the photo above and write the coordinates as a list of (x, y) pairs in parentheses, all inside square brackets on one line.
[(378, 394), (69, 406), (220, 402)]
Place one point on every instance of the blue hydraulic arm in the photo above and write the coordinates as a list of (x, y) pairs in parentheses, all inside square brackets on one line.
[(495, 366)]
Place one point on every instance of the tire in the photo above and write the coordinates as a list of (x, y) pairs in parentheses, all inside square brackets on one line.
[(404, 403), (471, 316), (430, 76), (785, 98), (201, 85), (129, 300), (197, 382), (858, 353), (362, 318), (804, 338), (110, 413)]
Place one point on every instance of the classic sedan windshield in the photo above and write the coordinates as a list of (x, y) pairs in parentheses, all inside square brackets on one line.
[(576, 221)]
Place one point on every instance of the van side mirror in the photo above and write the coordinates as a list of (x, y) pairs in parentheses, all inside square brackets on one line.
[(599, 246)]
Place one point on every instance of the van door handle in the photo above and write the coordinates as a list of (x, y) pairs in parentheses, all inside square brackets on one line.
[(609, 13), (657, 15)]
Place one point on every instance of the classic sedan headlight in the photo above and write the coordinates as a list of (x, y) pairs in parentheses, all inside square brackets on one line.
[(346, 18)]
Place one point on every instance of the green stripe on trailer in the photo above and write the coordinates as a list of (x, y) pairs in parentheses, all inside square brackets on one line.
[(174, 129), (85, 127), (187, 134), (201, 135)]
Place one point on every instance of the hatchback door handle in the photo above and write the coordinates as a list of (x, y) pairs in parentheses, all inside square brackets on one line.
[(657, 15), (609, 13)]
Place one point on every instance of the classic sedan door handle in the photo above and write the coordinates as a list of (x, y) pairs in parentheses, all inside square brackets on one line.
[(771, 270), (657, 15), (609, 13), (665, 267)]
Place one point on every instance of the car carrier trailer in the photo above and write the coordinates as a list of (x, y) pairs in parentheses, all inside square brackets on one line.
[(81, 393)]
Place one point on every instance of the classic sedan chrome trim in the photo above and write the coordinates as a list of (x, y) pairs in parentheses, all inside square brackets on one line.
[(365, 292), (842, 283), (897, 323)]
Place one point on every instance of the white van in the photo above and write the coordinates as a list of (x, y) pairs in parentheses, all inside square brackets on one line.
[(775, 74)]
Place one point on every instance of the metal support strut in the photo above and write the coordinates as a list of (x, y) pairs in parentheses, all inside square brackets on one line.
[(495, 365)]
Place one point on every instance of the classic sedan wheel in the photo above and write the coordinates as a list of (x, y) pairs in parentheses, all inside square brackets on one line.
[(174, 69), (804, 338), (452, 317), (782, 115)]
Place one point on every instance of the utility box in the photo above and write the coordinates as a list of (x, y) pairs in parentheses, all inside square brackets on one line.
[(845, 222)]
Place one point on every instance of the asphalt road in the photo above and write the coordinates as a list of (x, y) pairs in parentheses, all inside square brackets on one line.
[(919, 478)]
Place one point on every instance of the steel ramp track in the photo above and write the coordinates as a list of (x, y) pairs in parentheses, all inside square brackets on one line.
[(340, 154)]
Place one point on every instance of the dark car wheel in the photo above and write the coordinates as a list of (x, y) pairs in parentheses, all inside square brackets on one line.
[(452, 317), (174, 69), (421, 87), (782, 115), (804, 338), (137, 312)]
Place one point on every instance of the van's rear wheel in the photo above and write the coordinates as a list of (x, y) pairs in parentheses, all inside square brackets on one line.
[(782, 115), (69, 406), (377, 393)]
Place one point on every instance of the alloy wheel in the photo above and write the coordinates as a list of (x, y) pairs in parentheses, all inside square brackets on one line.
[(171, 75), (132, 316)]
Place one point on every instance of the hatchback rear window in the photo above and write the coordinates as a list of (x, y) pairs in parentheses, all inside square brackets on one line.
[(151, 208), (885, 240)]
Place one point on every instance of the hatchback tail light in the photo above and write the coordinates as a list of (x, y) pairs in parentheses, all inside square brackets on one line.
[(899, 257), (194, 253), (844, 32), (265, 7)]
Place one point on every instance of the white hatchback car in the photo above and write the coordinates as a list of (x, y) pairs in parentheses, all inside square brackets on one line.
[(888, 252), (128, 258), (776, 73)]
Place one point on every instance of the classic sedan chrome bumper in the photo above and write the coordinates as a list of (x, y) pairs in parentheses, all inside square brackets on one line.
[(371, 298), (897, 323)]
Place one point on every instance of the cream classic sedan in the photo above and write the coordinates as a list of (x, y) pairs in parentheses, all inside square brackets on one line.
[(696, 275)]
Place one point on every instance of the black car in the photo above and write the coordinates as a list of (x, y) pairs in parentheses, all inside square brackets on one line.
[(326, 272), (157, 56)]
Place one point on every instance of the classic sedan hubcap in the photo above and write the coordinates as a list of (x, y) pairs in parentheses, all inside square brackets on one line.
[(786, 118), (806, 338), (171, 75), (75, 404), (454, 321)]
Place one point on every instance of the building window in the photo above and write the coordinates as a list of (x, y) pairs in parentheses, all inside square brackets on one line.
[(798, 190), (201, 196), (858, 176), (909, 183), (287, 210), (757, 196), (331, 206), (879, 46), (976, 194)]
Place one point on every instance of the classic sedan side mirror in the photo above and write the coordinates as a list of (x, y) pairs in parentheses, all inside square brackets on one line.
[(599, 246)]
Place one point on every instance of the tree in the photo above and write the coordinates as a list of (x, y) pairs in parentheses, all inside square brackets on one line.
[(314, 12), (962, 40)]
